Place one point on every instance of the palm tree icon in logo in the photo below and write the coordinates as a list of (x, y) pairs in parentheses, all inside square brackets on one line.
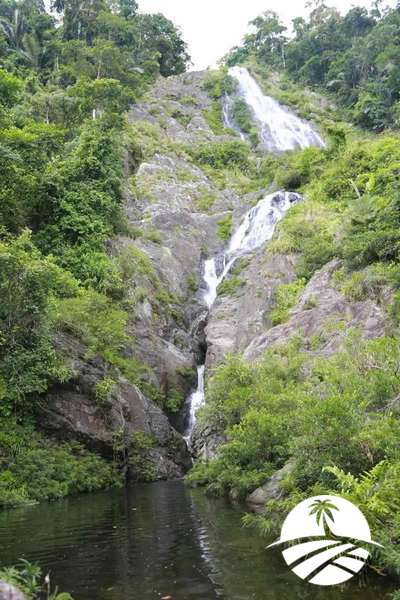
[(326, 540), (322, 509)]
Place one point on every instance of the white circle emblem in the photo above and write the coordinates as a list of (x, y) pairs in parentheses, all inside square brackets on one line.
[(326, 540)]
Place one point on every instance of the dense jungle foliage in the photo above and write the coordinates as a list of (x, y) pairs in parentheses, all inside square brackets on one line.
[(66, 79)]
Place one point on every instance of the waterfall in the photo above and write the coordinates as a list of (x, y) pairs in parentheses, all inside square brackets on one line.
[(256, 228), (196, 399), (279, 129)]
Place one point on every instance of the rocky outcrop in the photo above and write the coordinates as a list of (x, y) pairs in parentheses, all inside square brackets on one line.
[(177, 104), (74, 412), (172, 209), (239, 317), (324, 315), (206, 441), (176, 207)]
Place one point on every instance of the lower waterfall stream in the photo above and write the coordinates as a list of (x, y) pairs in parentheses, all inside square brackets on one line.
[(256, 228)]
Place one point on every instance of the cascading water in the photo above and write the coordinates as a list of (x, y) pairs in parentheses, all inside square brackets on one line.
[(279, 129), (196, 399), (256, 228)]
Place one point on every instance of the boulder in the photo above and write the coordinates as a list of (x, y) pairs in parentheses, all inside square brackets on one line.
[(206, 441), (272, 489)]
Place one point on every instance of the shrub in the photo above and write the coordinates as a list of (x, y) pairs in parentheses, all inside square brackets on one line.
[(319, 412), (139, 460), (229, 286), (225, 227), (174, 401), (219, 155), (26, 577), (205, 200), (92, 317), (36, 469), (218, 83), (308, 230), (214, 118), (284, 298), (29, 283), (242, 115)]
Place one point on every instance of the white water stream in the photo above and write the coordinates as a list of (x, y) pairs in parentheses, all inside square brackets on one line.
[(256, 228), (279, 130)]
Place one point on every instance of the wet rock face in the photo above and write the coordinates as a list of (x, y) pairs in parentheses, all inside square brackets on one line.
[(72, 412), (206, 442)]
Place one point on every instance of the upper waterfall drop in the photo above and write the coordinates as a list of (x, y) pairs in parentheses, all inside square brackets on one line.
[(279, 129)]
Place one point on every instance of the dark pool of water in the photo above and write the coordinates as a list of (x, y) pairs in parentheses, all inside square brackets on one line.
[(148, 541)]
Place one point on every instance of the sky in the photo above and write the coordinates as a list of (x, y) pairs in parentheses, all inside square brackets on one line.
[(212, 27)]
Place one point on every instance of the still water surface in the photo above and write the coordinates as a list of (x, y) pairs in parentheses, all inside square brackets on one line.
[(148, 541)]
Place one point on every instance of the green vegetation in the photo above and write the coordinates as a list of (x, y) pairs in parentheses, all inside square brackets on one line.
[(65, 85), (214, 118), (175, 400), (284, 298), (334, 420), (223, 155), (64, 91), (140, 446), (230, 285), (218, 83), (26, 577), (244, 118), (34, 468), (225, 227), (319, 413), (205, 200)]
